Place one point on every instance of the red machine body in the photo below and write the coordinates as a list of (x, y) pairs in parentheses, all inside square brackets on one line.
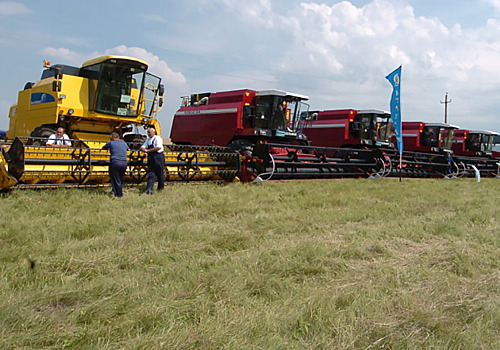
[(473, 143), (265, 127), (348, 128), (238, 118), (427, 137)]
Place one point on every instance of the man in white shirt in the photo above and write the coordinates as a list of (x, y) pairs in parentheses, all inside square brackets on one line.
[(153, 149), (59, 139)]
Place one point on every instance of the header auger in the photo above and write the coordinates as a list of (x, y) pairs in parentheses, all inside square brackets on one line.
[(30, 166)]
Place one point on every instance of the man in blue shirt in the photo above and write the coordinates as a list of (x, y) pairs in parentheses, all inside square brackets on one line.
[(451, 165), (153, 149), (117, 162)]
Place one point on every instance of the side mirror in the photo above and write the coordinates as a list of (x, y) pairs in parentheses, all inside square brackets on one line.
[(160, 102), (58, 72), (161, 90)]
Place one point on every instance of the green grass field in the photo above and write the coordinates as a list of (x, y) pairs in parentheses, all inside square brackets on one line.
[(342, 264)]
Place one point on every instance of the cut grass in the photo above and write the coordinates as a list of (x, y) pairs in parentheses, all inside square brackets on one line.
[(348, 264)]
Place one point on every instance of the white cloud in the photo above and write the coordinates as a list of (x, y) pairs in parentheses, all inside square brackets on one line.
[(64, 55), (348, 50), (156, 65), (344, 38), (256, 12), (10, 8), (494, 3)]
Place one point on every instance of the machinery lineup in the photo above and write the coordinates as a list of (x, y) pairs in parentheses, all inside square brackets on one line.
[(241, 135)]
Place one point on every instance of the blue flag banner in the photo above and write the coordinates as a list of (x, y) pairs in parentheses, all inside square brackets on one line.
[(395, 80)]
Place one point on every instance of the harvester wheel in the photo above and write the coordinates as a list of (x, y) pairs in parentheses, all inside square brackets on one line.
[(190, 168), (134, 141), (138, 169), (242, 146), (40, 135)]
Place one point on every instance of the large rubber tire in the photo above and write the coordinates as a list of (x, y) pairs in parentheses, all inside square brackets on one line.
[(134, 141), (40, 135), (244, 147)]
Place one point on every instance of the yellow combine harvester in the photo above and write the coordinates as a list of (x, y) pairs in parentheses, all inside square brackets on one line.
[(107, 94)]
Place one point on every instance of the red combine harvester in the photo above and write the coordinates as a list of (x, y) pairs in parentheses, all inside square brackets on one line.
[(239, 119), (434, 138), (425, 148), (474, 147), (348, 128), (473, 143), (264, 127), (495, 151)]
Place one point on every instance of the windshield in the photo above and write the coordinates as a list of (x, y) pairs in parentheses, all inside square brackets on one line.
[(430, 136), (368, 127), (364, 127), (119, 89), (487, 143), (277, 112), (479, 142), (294, 110), (384, 129), (447, 137)]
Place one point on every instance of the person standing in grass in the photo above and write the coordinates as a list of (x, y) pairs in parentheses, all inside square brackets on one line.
[(153, 149), (451, 165), (117, 162)]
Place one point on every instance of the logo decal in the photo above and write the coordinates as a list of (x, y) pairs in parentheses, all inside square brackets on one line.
[(41, 97)]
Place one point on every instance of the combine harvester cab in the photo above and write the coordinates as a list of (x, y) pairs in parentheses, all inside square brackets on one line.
[(265, 128), (475, 148), (107, 94), (239, 119), (348, 128), (366, 132), (425, 149)]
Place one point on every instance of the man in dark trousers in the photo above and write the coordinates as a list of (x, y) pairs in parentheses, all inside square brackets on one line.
[(451, 165), (117, 162), (153, 149)]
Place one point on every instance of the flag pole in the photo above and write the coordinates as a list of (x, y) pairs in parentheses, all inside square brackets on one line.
[(394, 79), (400, 165)]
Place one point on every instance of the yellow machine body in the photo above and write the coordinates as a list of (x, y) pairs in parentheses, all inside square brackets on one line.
[(106, 94)]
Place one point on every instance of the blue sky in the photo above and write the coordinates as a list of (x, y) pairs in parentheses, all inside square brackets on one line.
[(336, 52)]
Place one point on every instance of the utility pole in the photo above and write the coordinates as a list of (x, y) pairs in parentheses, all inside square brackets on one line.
[(446, 101)]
